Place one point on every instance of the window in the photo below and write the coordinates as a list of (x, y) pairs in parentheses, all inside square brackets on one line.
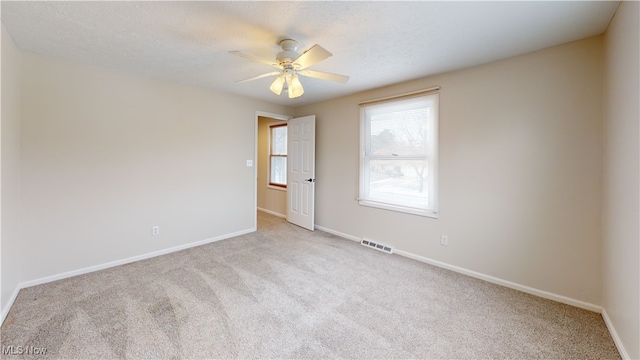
[(278, 155), (398, 154)]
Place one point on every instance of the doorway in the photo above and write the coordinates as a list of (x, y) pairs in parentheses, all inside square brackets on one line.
[(285, 168), (271, 187)]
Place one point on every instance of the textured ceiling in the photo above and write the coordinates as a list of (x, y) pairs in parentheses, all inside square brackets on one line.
[(376, 43)]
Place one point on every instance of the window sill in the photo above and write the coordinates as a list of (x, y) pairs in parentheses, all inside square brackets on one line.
[(276, 187), (398, 208)]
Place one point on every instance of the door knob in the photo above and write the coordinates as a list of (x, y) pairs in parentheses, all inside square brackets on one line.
[(310, 180)]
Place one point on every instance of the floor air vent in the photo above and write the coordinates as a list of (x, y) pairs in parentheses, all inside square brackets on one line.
[(377, 246)]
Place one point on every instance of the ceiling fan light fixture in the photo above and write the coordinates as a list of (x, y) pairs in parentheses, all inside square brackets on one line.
[(295, 87), (291, 63), (277, 85)]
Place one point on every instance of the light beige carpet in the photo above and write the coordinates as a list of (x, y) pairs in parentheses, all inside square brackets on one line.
[(284, 292)]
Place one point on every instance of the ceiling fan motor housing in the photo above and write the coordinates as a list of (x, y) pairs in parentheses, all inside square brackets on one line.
[(288, 53)]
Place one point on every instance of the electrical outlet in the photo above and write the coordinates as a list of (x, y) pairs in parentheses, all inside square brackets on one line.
[(249, 163), (155, 230), (444, 240)]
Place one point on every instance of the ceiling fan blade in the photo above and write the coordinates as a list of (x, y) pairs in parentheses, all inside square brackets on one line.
[(259, 77), (312, 56), (255, 58), (324, 76)]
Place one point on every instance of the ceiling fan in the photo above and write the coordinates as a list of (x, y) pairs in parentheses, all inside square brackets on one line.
[(290, 64)]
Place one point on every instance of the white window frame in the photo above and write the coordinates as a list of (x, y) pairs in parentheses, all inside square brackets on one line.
[(270, 184), (364, 199)]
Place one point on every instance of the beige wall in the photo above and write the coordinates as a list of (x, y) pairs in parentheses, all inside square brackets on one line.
[(106, 156), (520, 171), (621, 200), (10, 170), (270, 199)]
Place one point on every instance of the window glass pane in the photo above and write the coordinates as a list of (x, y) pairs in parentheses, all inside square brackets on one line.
[(398, 134), (279, 140), (398, 161), (402, 182), (279, 170), (400, 129)]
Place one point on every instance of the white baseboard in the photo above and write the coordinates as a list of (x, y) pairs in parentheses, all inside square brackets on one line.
[(506, 283), (509, 284), (89, 269), (272, 213), (5, 310), (481, 276), (614, 334), (337, 233)]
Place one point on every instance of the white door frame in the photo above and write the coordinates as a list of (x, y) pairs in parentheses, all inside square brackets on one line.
[(255, 161)]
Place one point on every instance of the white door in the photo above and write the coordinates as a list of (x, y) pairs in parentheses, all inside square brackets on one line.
[(301, 171)]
